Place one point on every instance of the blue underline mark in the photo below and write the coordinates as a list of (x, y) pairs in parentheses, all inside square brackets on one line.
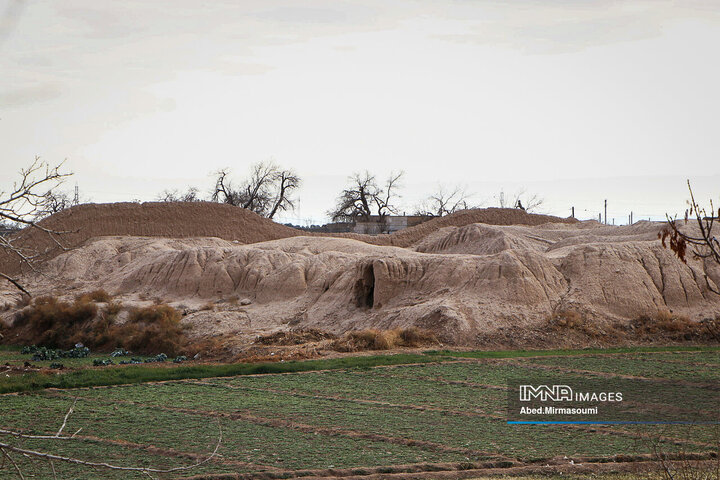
[(607, 422)]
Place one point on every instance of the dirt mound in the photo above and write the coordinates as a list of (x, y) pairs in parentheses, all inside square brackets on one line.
[(208, 219), (490, 216), (155, 219), (458, 282)]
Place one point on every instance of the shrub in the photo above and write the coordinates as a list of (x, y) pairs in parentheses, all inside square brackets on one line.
[(113, 308), (58, 324), (415, 337), (666, 322), (566, 319), (154, 328), (99, 295), (52, 323)]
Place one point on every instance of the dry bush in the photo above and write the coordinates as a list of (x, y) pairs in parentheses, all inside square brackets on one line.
[(668, 324), (212, 347), (660, 324), (208, 306), (51, 322), (98, 295), (153, 329), (360, 340), (294, 337), (383, 339), (684, 462), (113, 308), (567, 319), (416, 337)]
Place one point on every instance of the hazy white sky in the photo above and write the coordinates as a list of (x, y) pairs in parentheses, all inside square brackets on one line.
[(558, 96)]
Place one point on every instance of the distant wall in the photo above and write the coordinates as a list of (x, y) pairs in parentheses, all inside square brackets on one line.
[(389, 224)]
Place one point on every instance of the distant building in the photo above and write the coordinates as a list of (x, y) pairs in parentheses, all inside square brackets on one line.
[(338, 227), (376, 224)]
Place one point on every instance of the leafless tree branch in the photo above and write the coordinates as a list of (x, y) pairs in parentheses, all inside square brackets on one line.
[(31, 197), (706, 246), (190, 195), (6, 447), (364, 198), (267, 191), (444, 201)]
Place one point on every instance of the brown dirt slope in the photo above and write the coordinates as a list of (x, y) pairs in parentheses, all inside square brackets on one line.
[(155, 219)]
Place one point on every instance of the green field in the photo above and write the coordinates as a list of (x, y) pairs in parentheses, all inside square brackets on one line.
[(438, 412)]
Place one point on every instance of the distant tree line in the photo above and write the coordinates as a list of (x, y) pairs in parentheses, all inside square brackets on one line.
[(267, 191)]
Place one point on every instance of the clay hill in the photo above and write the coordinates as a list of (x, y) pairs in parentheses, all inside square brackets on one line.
[(463, 276)]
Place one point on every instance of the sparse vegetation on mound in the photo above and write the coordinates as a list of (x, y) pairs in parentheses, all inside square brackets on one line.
[(59, 324), (383, 339), (98, 295), (294, 337), (153, 329), (663, 324), (54, 323)]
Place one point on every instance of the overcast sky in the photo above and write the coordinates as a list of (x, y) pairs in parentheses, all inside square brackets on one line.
[(577, 101)]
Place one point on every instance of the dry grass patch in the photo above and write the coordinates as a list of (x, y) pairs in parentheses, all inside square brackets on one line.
[(113, 308), (294, 337), (567, 319), (207, 307), (660, 325), (383, 339), (98, 295)]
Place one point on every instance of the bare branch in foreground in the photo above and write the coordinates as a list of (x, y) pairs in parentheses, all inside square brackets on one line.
[(5, 447), (705, 247), (32, 197)]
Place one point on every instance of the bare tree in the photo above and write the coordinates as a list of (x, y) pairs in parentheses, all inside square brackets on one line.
[(55, 201), (224, 191), (266, 192), (286, 181), (256, 192), (189, 195), (30, 196), (444, 202), (706, 246), (364, 197), (521, 199), (7, 448)]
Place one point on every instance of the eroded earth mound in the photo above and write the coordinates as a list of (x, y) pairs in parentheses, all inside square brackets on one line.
[(462, 276)]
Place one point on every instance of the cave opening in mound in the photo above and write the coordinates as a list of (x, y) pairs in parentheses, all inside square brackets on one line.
[(365, 287)]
